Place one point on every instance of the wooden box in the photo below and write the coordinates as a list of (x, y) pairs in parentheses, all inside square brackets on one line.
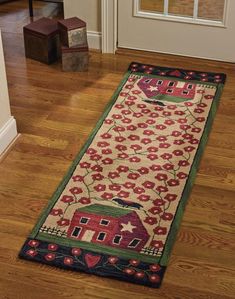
[(72, 32), (41, 40), (75, 59)]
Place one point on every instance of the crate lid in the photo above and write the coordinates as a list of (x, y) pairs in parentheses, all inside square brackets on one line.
[(43, 27), (72, 23), (83, 48)]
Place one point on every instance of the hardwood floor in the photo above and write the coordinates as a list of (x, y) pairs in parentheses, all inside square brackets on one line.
[(55, 113)]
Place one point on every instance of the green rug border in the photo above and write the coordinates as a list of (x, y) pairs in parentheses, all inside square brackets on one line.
[(185, 195)]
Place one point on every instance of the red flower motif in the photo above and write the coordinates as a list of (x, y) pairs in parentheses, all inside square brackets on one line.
[(155, 167), (123, 94), (106, 151), (161, 177), (183, 163), (196, 130), (158, 202), (78, 178), (97, 168), (167, 216), (145, 111), (170, 197), (133, 176), (75, 190), (120, 139), (121, 147), (198, 110), (140, 274), (172, 107), (148, 132), (160, 230), (137, 115), (63, 222), (31, 252), (146, 140), (76, 251), (115, 187), (166, 113), (155, 210), (166, 156), (129, 103), (122, 168), (201, 91), (134, 159), (179, 112), (50, 256), (132, 98), (144, 197), (136, 147), (187, 136), (113, 174), (194, 141), (123, 194), (160, 127), (164, 145), (150, 220), (131, 128), (208, 97), (67, 199), (97, 177), (155, 267), (133, 137), (119, 129), (182, 175), (110, 121), (85, 200), (182, 120), (100, 188), (161, 138), (112, 260), (154, 278), (129, 185), (150, 121), (116, 116), (168, 166), (126, 120), (173, 182), (126, 112), (106, 195), (68, 261), (158, 108), (202, 105), (107, 161), (134, 262), (33, 243), (52, 247), (95, 157), (154, 115), (189, 149), (143, 170), (178, 153), (169, 122), (129, 271), (148, 185), (136, 91), (185, 127), (91, 151), (129, 86), (162, 189), (123, 156), (152, 149), (176, 133), (141, 106), (200, 119), (157, 244), (85, 165), (138, 190), (102, 144), (152, 157), (56, 212), (179, 142), (188, 104)]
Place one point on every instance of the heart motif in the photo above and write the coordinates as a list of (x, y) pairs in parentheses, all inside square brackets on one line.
[(92, 260)]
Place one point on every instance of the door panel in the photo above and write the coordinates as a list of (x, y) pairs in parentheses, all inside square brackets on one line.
[(176, 30)]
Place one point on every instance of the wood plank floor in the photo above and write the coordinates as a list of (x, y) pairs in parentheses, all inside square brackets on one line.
[(55, 113)]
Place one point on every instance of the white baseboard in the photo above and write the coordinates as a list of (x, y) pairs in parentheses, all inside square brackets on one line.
[(94, 39), (7, 134)]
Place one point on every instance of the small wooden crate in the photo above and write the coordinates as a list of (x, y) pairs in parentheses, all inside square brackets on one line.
[(72, 32), (41, 40), (75, 59)]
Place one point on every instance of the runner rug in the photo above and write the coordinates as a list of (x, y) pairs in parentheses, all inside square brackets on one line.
[(117, 211)]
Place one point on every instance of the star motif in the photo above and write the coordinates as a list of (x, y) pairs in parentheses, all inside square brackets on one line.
[(127, 227), (152, 88)]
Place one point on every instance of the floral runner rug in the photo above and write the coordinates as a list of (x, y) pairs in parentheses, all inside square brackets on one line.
[(117, 211)]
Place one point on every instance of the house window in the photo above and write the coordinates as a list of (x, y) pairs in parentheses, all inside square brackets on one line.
[(169, 90), (147, 81), (190, 86), (185, 92), (84, 220), (159, 82), (104, 222), (134, 243), (76, 231), (101, 236), (171, 84), (117, 239)]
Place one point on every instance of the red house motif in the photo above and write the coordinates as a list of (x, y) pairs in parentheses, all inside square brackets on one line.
[(108, 225), (155, 88)]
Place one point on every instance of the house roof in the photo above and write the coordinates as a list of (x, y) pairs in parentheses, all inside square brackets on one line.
[(105, 210)]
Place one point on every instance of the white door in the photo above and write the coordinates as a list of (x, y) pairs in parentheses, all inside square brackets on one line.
[(87, 237), (197, 28)]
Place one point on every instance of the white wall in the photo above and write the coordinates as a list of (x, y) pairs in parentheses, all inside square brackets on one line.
[(7, 122), (90, 12)]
